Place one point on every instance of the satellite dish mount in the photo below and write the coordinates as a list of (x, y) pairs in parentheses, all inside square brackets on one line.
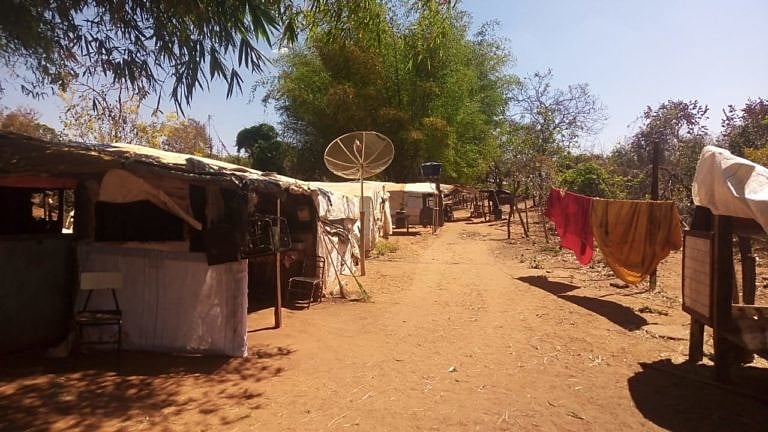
[(358, 155)]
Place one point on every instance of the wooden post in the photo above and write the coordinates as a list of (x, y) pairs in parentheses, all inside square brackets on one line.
[(655, 156), (527, 227), (60, 209), (722, 294), (278, 275), (748, 272), (696, 341)]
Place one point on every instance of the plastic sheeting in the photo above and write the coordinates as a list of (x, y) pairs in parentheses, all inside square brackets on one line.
[(342, 202), (175, 301), (408, 196), (338, 248), (120, 186), (332, 206), (731, 186)]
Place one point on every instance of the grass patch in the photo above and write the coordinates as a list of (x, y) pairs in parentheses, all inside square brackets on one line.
[(384, 247)]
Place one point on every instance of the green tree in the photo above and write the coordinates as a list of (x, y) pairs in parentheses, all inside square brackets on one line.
[(411, 73), (264, 149), (672, 135), (758, 156), (512, 166), (556, 119), (113, 113), (26, 121), (745, 130), (46, 44), (560, 116), (588, 178), (185, 136), (106, 114)]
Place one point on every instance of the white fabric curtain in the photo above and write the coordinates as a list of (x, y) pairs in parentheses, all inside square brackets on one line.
[(175, 301)]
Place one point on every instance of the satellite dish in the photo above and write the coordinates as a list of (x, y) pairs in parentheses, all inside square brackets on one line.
[(358, 155)]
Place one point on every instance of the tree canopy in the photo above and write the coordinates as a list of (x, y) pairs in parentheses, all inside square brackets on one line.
[(26, 121), (265, 151), (149, 46), (745, 131), (110, 114), (672, 135), (559, 116), (410, 72)]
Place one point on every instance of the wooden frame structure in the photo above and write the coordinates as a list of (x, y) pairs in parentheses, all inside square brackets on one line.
[(740, 328)]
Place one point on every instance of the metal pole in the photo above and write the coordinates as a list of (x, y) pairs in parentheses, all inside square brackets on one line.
[(362, 227), (434, 212), (278, 275)]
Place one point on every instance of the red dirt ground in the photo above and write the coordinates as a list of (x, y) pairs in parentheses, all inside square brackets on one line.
[(465, 330)]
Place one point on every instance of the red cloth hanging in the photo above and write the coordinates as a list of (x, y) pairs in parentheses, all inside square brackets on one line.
[(570, 213)]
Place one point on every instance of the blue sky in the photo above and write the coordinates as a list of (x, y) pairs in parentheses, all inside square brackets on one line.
[(632, 53)]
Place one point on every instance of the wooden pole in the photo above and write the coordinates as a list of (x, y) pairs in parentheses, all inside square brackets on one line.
[(278, 275), (722, 296), (654, 196), (527, 227), (60, 209)]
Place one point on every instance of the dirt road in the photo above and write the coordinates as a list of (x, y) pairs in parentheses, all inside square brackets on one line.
[(465, 331)]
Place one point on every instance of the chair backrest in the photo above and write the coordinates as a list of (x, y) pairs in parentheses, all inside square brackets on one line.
[(90, 281), (314, 266)]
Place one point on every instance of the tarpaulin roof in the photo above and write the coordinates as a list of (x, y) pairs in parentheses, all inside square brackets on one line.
[(22, 155), (418, 187)]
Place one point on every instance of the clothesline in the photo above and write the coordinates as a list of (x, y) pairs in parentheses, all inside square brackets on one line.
[(633, 236)]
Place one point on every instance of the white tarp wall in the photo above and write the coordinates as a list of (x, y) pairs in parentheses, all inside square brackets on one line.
[(174, 301), (731, 186), (408, 196), (337, 239), (338, 248), (379, 220)]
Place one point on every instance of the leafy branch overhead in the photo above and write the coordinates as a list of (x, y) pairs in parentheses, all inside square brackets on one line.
[(152, 47)]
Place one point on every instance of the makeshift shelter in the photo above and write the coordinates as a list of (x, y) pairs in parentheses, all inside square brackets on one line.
[(410, 197), (142, 213), (731, 195), (189, 234), (375, 201), (340, 227)]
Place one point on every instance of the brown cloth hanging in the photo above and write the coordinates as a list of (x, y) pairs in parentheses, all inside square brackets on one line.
[(634, 236)]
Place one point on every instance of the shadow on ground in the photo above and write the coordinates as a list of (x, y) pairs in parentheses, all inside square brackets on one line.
[(405, 233), (477, 222), (616, 313), (94, 389), (684, 397)]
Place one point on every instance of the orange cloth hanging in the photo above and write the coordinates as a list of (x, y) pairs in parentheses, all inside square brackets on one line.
[(634, 236)]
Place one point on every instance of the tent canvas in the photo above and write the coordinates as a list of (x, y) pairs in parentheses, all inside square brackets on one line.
[(731, 186), (173, 299), (376, 199), (408, 196), (166, 179)]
